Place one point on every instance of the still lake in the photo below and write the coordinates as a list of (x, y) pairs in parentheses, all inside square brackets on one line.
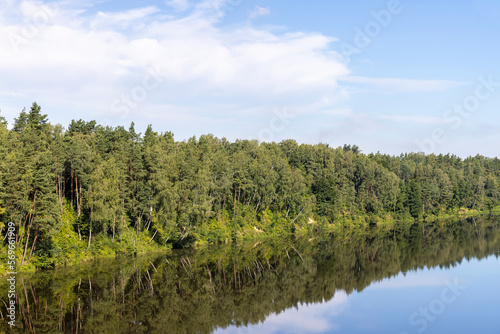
[(433, 278)]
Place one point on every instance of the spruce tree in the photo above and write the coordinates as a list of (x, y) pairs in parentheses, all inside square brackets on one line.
[(415, 199)]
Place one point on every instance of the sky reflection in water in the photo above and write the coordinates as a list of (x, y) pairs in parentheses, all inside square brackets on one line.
[(463, 299)]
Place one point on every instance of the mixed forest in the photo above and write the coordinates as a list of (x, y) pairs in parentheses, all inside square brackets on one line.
[(91, 190)]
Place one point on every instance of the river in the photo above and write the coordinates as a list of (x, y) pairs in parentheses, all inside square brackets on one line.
[(434, 278)]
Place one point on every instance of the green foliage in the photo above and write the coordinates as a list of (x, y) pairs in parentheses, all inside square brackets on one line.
[(95, 190), (415, 199), (66, 245)]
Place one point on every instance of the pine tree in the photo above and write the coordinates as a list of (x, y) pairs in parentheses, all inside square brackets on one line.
[(415, 199), (4, 134)]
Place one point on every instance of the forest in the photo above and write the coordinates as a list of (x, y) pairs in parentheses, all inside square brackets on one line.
[(90, 190)]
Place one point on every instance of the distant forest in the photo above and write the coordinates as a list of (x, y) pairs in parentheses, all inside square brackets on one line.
[(102, 189)]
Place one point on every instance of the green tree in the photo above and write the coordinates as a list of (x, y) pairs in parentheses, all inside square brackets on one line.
[(103, 199), (415, 199)]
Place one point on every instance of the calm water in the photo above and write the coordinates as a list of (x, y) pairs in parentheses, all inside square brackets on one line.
[(442, 278), (464, 299)]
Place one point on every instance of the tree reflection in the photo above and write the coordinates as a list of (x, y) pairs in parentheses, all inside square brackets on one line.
[(199, 291)]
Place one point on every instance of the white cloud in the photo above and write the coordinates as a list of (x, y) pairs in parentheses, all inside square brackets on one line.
[(338, 112), (414, 119), (179, 5), (81, 60), (258, 11), (122, 19), (305, 318)]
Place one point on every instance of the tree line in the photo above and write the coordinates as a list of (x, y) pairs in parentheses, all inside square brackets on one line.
[(96, 185)]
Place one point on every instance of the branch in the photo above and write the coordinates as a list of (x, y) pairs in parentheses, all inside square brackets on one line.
[(295, 217), (153, 235)]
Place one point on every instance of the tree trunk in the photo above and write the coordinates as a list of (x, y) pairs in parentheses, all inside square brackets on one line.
[(238, 209), (26, 246), (114, 221), (122, 219), (139, 224), (80, 204), (77, 198), (90, 230), (223, 205), (34, 243), (30, 220), (72, 198), (59, 193), (234, 206), (153, 235)]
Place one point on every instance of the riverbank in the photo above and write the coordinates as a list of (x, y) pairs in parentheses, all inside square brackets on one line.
[(71, 249), (242, 283)]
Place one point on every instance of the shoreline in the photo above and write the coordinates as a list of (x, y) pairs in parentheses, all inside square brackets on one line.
[(310, 231)]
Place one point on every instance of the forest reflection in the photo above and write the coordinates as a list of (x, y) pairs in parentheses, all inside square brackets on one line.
[(226, 285)]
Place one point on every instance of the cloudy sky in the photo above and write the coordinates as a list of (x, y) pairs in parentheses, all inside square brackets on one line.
[(391, 76)]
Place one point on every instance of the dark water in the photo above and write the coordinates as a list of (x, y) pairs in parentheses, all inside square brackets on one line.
[(437, 278)]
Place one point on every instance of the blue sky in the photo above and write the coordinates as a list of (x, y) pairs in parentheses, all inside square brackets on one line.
[(389, 76)]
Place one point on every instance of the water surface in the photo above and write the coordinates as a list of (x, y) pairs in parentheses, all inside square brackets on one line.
[(437, 278), (462, 299)]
